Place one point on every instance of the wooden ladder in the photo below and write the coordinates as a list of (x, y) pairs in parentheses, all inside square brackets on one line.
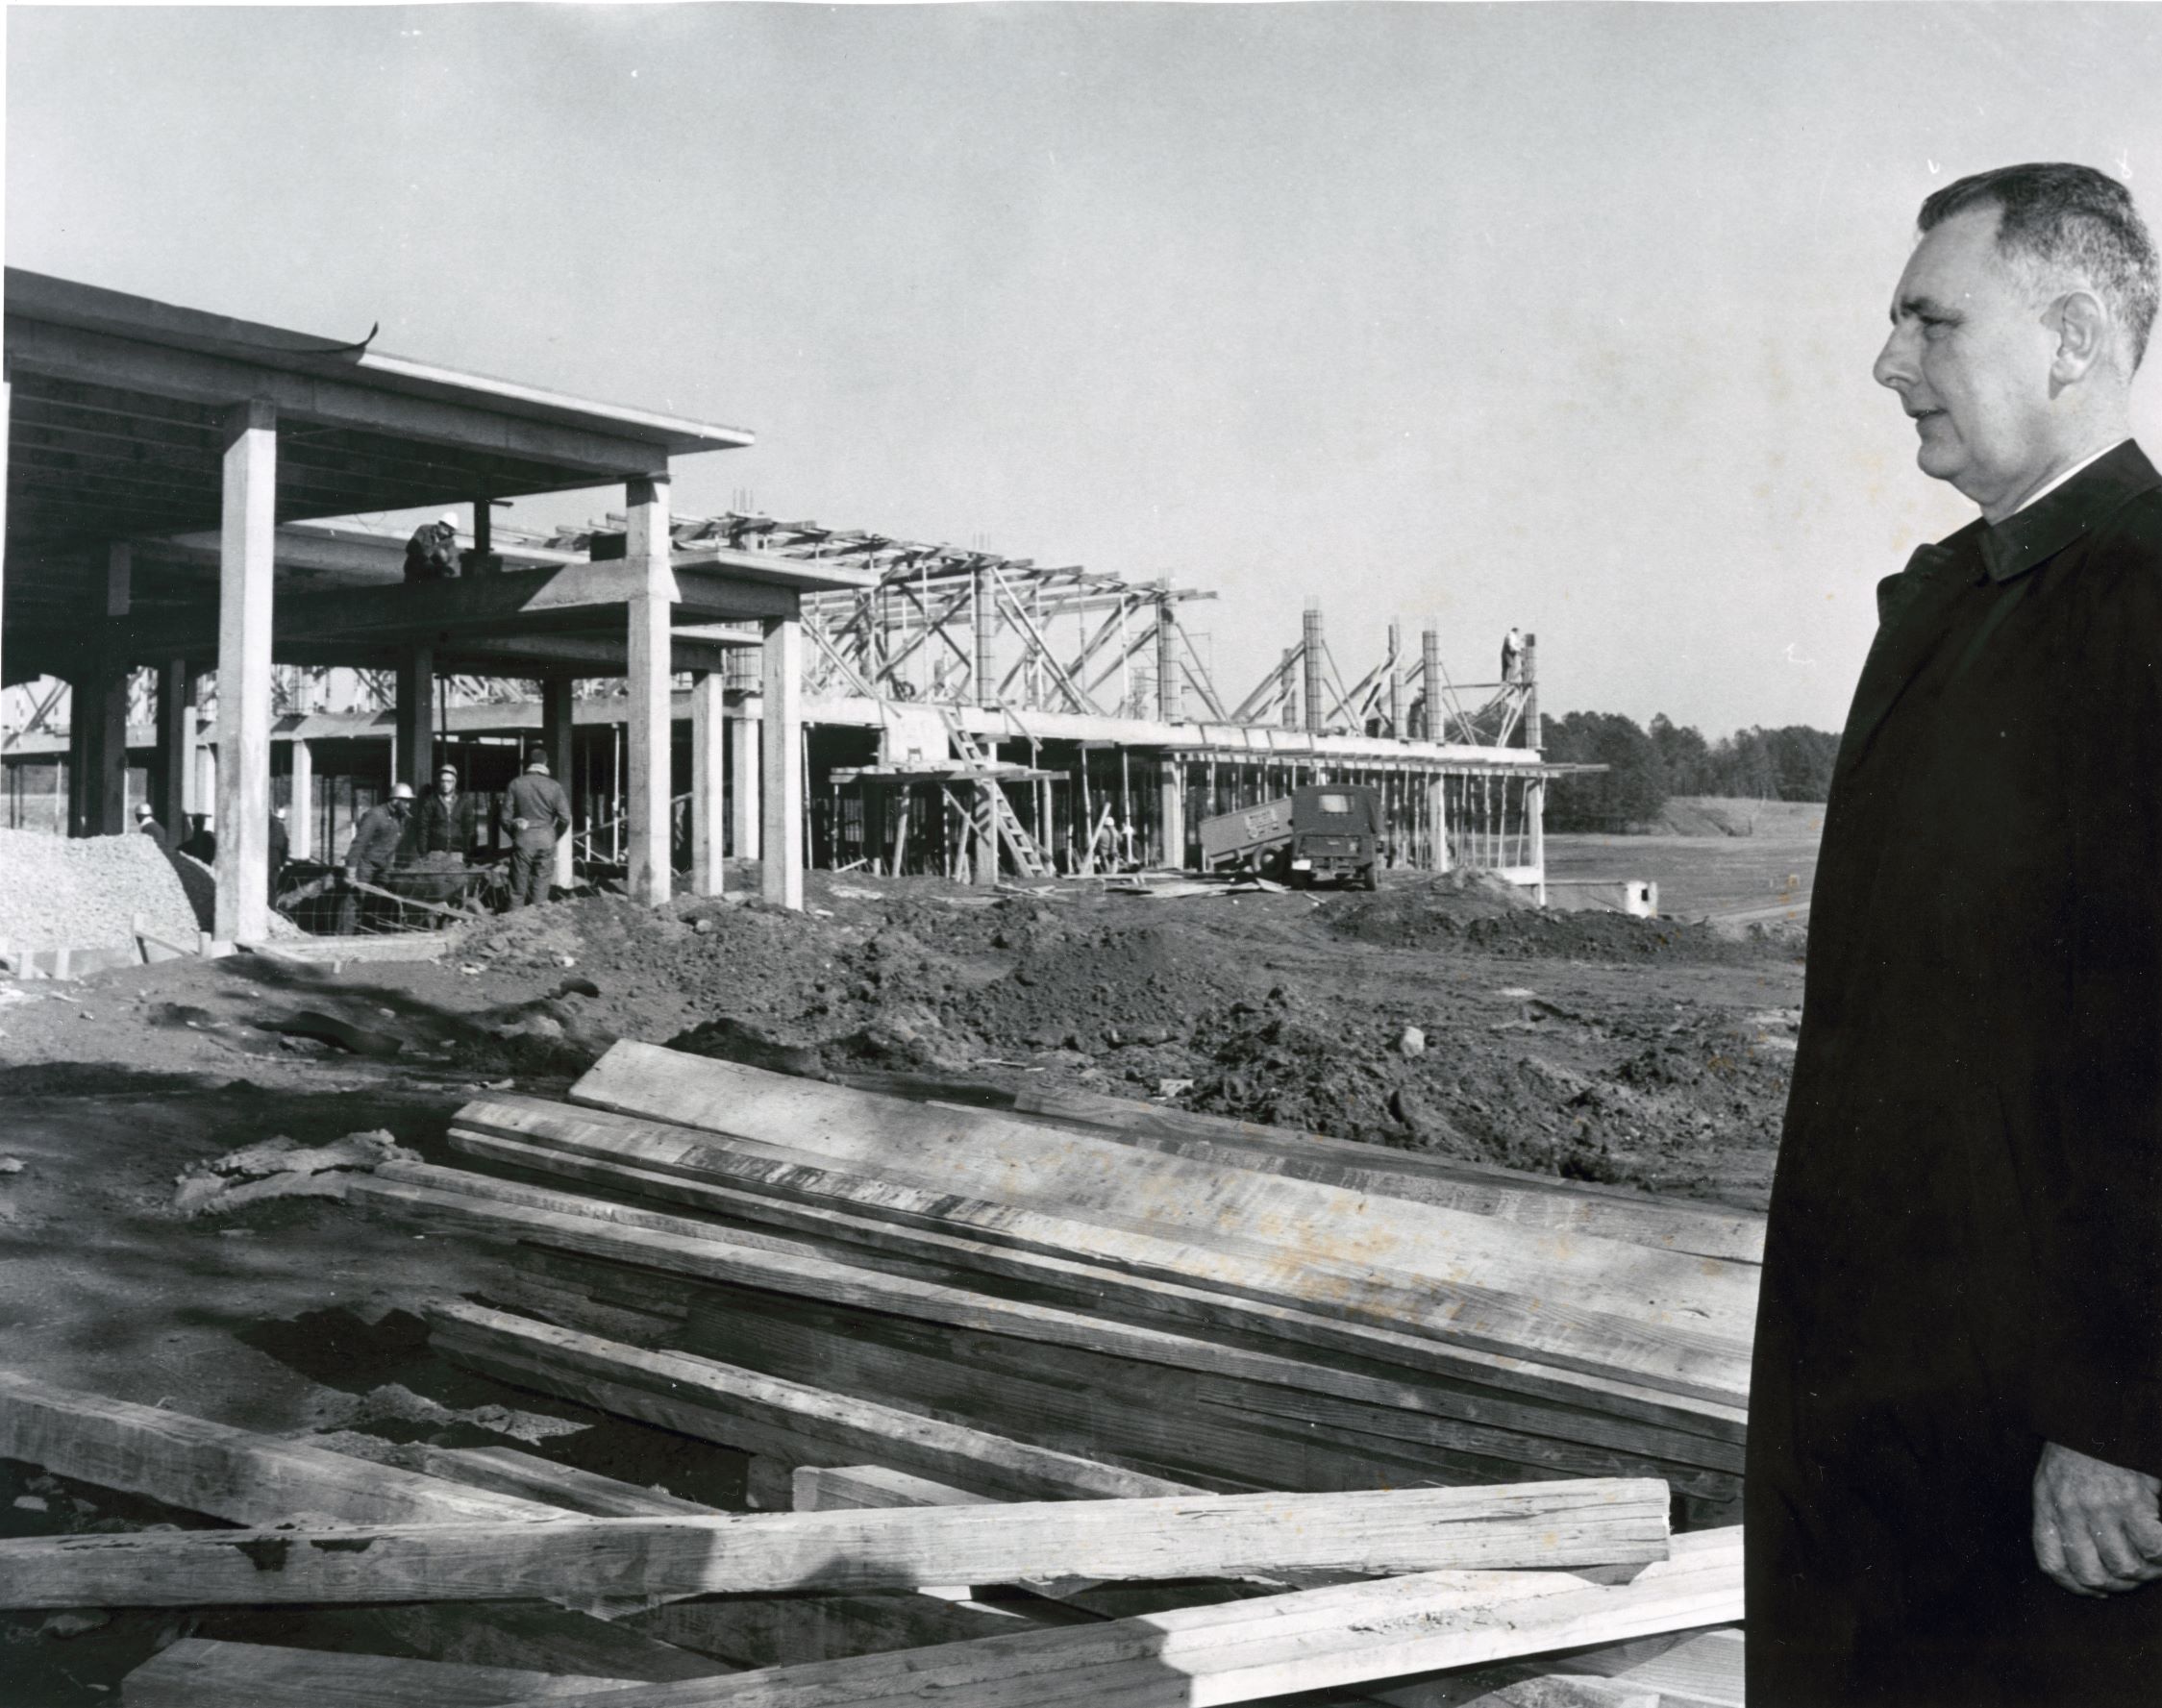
[(1029, 858)]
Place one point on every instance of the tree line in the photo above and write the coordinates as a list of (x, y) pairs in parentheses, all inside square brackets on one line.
[(1645, 767)]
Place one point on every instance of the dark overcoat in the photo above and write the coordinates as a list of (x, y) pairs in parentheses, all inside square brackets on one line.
[(1965, 1251)]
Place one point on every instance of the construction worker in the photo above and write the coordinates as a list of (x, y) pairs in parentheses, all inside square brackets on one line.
[(373, 850), (432, 552), (281, 850), (537, 813), (1512, 655), (448, 821), (147, 821)]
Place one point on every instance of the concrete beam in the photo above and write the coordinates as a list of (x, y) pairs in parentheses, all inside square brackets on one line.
[(245, 572), (98, 358)]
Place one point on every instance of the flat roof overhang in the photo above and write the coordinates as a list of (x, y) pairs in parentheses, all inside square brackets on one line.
[(117, 424)]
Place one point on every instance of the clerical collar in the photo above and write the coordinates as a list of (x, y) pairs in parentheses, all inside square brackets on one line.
[(2065, 510)]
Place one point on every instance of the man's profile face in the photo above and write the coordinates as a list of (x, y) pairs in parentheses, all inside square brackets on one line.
[(1969, 356)]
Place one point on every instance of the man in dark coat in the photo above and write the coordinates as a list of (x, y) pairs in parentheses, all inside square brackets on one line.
[(1955, 1430), (537, 813), (448, 821)]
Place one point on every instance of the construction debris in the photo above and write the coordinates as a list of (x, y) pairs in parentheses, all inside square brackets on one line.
[(279, 1168)]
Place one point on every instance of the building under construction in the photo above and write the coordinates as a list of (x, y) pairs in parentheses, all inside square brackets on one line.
[(944, 710)]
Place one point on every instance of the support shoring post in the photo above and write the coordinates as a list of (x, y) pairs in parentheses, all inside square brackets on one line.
[(708, 829), (651, 732), (558, 710), (781, 881), (247, 545), (1173, 809)]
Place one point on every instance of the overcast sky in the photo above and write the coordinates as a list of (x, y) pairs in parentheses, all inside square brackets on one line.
[(1557, 315)]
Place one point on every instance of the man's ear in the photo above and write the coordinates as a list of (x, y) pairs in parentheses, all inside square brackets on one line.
[(2083, 337)]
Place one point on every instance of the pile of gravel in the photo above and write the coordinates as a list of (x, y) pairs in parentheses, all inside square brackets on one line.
[(59, 892)]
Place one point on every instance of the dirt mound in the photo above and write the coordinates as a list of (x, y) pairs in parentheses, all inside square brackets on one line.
[(1428, 909), (1478, 912)]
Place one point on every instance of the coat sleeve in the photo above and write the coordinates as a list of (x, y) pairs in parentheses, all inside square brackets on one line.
[(2094, 1181)]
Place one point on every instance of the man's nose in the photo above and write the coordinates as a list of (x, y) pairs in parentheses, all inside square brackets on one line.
[(1894, 362)]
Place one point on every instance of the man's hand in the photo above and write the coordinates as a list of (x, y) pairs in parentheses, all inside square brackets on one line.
[(518, 824), (2096, 1529)]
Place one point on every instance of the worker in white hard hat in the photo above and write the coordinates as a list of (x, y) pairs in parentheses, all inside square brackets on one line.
[(432, 552), (147, 821), (373, 850)]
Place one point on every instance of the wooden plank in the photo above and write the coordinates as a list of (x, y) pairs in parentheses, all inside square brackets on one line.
[(507, 1470), (1223, 1432), (843, 1488), (1677, 1323), (1463, 1382), (735, 1177), (796, 1630), (756, 1413), (1416, 1530), (1511, 1195), (229, 1474), (195, 1672), (1252, 1651)]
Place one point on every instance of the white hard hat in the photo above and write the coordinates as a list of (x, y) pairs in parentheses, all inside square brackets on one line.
[(400, 791), (448, 519)]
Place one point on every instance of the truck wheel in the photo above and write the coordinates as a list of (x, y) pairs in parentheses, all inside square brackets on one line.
[(1370, 878)]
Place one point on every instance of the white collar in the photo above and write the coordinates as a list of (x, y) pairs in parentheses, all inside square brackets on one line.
[(2075, 469)]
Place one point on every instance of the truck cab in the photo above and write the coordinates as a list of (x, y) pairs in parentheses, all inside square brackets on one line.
[(1321, 830), (1336, 832)]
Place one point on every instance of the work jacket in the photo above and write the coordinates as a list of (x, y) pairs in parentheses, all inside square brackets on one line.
[(439, 826), (1964, 1258), (376, 841), (540, 801)]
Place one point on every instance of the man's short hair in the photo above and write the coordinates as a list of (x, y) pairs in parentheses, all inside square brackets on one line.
[(2056, 219)]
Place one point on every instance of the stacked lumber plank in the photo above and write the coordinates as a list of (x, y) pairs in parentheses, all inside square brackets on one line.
[(1173, 1307)]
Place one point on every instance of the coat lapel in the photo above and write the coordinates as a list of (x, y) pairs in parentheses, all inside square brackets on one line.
[(1911, 624)]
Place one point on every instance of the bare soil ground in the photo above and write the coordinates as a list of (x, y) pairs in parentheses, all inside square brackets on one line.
[(1651, 1052)]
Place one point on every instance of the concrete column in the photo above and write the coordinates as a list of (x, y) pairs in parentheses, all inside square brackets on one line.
[(1437, 820), (7, 399), (205, 773), (1535, 811), (707, 826), (986, 627), (1395, 682), (1171, 806), (1289, 676), (559, 704), (781, 830), (1167, 657), (648, 738), (1429, 683), (413, 756), (1535, 734), (246, 559), (986, 856), (300, 814), (82, 751), (170, 790), (745, 738), (1311, 662)]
